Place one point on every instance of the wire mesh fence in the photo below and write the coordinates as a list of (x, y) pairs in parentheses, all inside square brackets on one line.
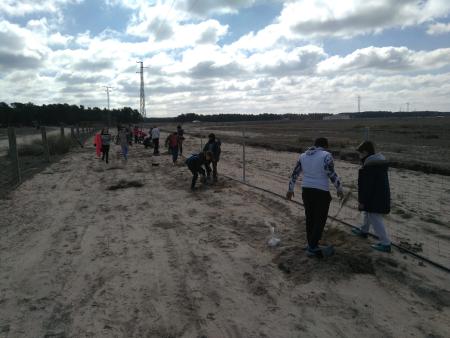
[(420, 216), (24, 152)]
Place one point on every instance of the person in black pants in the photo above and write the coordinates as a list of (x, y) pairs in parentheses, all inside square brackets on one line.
[(317, 167), (106, 141), (195, 163), (213, 146)]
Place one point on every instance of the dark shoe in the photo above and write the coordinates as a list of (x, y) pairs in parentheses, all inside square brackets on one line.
[(359, 233), (382, 247), (327, 251), (316, 252)]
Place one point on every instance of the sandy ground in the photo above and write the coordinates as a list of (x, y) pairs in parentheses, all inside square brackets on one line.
[(126, 250)]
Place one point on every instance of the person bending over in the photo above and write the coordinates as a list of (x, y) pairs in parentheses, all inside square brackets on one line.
[(195, 164)]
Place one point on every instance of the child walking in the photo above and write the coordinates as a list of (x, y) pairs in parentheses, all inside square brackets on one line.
[(172, 142), (373, 195), (105, 141)]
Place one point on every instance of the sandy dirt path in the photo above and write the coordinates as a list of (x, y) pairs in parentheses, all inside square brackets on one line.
[(78, 259)]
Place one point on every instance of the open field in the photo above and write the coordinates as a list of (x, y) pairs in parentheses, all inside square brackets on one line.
[(125, 250), (413, 143)]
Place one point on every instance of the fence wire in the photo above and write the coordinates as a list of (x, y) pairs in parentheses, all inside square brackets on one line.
[(419, 220), (31, 150)]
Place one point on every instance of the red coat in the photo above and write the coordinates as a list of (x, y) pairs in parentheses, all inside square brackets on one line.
[(173, 141), (98, 144)]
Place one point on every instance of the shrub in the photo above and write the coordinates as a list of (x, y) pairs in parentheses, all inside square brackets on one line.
[(58, 145)]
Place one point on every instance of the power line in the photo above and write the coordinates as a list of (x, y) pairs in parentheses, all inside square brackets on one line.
[(165, 17)]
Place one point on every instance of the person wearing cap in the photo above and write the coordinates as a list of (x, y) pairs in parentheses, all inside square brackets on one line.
[(374, 195), (318, 168)]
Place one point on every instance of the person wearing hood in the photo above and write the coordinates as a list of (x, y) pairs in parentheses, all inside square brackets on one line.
[(374, 195), (318, 167)]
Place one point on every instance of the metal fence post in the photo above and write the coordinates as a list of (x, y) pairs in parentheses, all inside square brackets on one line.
[(72, 132), (201, 143), (78, 132), (13, 153), (62, 131), (243, 156), (45, 144)]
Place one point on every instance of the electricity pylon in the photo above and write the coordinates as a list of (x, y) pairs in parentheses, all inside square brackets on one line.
[(142, 92)]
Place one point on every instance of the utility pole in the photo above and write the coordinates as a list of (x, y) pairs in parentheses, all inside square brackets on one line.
[(407, 107), (142, 92), (109, 111), (359, 103)]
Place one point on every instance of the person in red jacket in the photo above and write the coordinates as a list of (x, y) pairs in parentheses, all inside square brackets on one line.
[(98, 144), (172, 142)]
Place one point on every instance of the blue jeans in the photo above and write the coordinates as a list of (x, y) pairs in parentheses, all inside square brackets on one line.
[(125, 152), (174, 151)]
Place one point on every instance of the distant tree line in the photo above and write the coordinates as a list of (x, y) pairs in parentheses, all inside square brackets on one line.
[(29, 114), (183, 118), (375, 114)]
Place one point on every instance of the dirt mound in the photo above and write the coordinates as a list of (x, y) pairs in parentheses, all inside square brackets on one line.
[(350, 258), (124, 184)]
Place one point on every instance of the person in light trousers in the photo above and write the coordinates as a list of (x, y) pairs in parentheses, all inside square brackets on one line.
[(373, 195)]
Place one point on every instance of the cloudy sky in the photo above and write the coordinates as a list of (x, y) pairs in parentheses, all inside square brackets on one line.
[(219, 56)]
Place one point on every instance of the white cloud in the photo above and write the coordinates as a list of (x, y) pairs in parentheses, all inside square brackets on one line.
[(386, 59), (20, 47), (438, 28), (317, 18), (276, 69), (25, 7)]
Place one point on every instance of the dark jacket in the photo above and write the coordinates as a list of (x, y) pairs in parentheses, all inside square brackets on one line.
[(214, 147), (373, 185), (195, 162)]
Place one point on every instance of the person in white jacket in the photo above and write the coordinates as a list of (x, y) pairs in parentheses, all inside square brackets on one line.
[(318, 168), (155, 138)]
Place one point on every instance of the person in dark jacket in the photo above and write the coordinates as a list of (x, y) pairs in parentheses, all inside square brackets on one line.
[(213, 146), (373, 195), (180, 134), (195, 163), (106, 141)]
